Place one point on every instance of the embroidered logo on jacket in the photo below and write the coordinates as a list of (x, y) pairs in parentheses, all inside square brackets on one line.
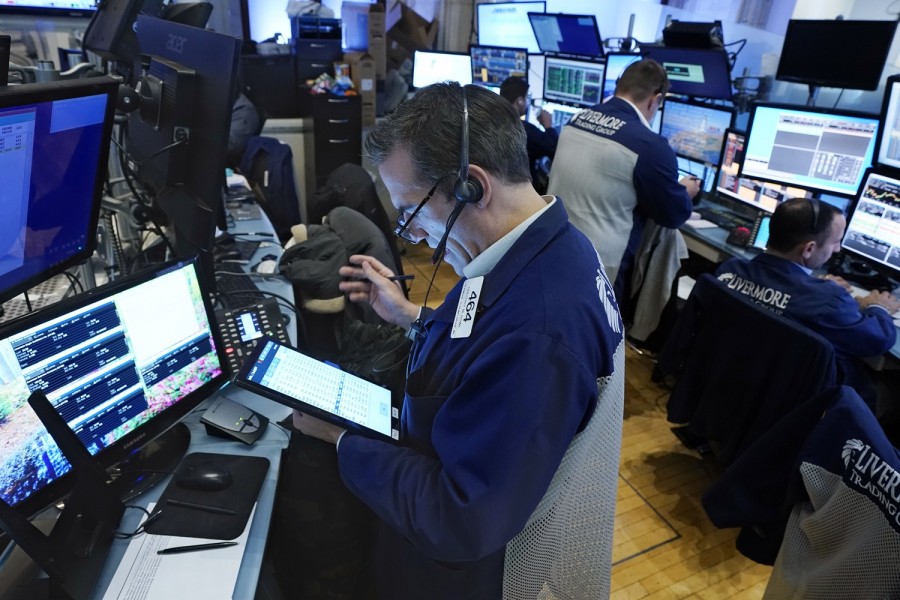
[(608, 298), (771, 298), (597, 122), (873, 476)]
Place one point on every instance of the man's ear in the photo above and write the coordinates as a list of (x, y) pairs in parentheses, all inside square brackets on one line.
[(476, 172), (808, 248)]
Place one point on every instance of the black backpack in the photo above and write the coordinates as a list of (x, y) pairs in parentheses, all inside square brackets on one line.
[(269, 167)]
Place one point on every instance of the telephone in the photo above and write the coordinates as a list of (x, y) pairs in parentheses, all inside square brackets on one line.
[(241, 327)]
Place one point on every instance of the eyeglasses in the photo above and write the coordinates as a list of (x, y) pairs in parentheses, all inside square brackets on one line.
[(402, 229)]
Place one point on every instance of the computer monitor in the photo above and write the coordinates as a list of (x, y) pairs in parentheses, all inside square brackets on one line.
[(578, 82), (575, 35), (705, 172), (507, 24), (695, 131), (70, 8), (760, 195), (179, 151), (561, 114), (491, 65), (888, 147), (264, 19), (873, 231), (122, 364), (843, 54), (616, 62), (694, 72), (430, 66), (54, 145), (818, 149)]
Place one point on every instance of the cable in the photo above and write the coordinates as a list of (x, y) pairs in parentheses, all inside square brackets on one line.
[(142, 528), (72, 281), (838, 98)]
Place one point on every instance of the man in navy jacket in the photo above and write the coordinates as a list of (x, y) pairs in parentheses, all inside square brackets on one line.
[(502, 376), (803, 234), (540, 142), (613, 172)]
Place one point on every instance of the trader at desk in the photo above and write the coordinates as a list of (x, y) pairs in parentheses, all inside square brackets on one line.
[(803, 235)]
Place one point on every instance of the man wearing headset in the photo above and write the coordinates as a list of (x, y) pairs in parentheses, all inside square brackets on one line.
[(803, 235), (503, 377), (613, 172)]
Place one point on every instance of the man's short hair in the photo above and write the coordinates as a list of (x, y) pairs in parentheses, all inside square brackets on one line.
[(795, 222), (642, 79), (513, 88), (429, 127)]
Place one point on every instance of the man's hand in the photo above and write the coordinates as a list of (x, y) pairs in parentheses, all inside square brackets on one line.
[(882, 299), (367, 281), (545, 119), (316, 428), (840, 281), (691, 184)]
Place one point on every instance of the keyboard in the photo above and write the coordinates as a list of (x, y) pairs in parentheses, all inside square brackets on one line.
[(235, 287), (722, 218)]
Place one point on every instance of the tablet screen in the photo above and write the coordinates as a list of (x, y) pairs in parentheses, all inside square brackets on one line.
[(290, 377)]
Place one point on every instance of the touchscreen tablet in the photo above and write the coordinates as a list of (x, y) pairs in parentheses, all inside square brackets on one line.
[(289, 377)]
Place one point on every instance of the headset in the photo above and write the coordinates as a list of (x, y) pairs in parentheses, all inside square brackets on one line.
[(465, 190)]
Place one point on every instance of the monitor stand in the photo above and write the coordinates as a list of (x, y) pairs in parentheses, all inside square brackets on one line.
[(151, 464), (75, 551)]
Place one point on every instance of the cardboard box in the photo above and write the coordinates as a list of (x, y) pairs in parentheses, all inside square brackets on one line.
[(362, 72), (368, 114), (410, 32), (359, 16)]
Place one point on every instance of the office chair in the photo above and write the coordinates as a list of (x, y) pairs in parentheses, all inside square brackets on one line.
[(740, 368)]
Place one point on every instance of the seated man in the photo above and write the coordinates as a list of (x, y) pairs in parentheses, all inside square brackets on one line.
[(503, 377), (540, 143), (803, 234)]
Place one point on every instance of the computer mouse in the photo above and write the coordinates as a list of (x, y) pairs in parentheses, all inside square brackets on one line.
[(205, 476), (739, 236)]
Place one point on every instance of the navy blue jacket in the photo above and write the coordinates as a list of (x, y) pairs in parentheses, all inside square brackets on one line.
[(486, 419)]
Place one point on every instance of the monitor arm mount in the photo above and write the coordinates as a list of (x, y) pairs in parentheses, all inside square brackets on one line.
[(750, 89)]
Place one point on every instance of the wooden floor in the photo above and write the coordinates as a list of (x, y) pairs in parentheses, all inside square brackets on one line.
[(664, 545)]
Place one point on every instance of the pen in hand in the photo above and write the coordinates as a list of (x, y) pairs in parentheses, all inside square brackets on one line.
[(401, 277), (195, 548)]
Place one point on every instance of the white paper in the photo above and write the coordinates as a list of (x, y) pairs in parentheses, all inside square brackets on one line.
[(701, 224), (205, 575)]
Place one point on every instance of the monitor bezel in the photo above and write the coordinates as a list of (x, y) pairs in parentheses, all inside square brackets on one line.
[(593, 18), (882, 115), (37, 93), (132, 442), (444, 52), (647, 51), (692, 102), (496, 4), (578, 59), (835, 83), (889, 271), (636, 55), (513, 48), (838, 112)]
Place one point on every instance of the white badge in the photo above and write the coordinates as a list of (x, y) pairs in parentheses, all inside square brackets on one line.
[(465, 310)]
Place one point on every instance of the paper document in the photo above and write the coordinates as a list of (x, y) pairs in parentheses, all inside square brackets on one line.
[(205, 575), (701, 224)]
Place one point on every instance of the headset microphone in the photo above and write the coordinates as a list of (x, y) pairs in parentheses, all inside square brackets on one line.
[(465, 190)]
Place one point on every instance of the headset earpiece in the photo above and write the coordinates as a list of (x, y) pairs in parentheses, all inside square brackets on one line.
[(466, 190)]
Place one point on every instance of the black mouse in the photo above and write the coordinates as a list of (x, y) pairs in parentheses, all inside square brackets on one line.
[(206, 476)]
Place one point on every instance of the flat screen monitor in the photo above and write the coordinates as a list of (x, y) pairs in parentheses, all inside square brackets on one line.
[(121, 364), (695, 131), (616, 62), (873, 231), (694, 72), (507, 24), (560, 114), (888, 147), (179, 155), (560, 33), (434, 67), (69, 8), (841, 54), (706, 173), (817, 149), (266, 18), (54, 145), (578, 82), (761, 195), (491, 65)]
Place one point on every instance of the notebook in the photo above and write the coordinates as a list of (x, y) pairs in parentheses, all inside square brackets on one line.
[(289, 377)]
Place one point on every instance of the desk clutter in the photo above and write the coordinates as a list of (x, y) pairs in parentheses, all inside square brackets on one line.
[(210, 496)]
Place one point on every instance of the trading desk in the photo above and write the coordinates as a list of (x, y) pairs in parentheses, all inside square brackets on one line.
[(15, 567), (709, 242)]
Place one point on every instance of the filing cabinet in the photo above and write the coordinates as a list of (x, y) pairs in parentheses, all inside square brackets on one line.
[(337, 131)]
